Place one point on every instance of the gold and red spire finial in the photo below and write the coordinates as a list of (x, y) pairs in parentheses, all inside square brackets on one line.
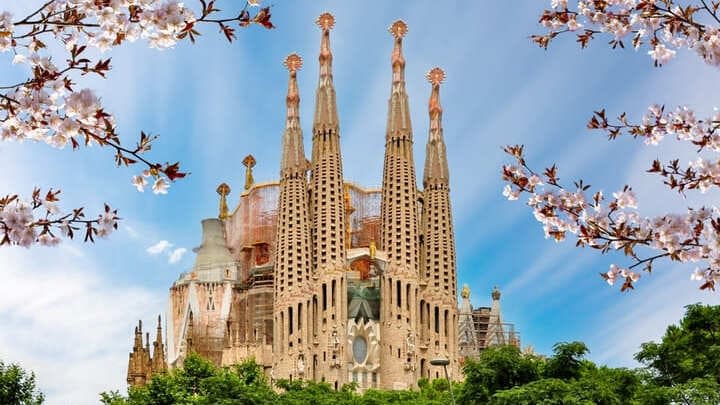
[(398, 29), (435, 76), (326, 22), (293, 63)]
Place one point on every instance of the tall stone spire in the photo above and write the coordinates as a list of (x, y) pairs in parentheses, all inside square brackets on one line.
[(399, 190), (326, 203), (399, 229), (292, 254), (292, 262), (437, 224), (326, 116), (158, 358), (293, 154), (436, 163)]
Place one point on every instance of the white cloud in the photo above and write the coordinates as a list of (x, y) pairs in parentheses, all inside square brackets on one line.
[(176, 255), (159, 247), (59, 313), (131, 231), (165, 247)]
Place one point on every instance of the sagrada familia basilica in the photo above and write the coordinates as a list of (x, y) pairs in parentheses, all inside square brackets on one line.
[(318, 278)]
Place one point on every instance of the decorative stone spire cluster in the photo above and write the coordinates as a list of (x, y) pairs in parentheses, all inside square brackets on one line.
[(141, 366), (326, 185)]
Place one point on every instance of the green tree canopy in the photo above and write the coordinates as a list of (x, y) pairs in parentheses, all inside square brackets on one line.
[(17, 386), (567, 360), (498, 368), (689, 350)]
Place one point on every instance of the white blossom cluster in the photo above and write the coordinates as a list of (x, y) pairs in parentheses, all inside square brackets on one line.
[(683, 124), (46, 108), (16, 218), (106, 24), (664, 30), (160, 186), (689, 237), (19, 225)]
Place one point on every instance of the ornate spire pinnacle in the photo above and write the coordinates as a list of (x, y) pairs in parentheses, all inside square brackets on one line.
[(138, 336), (325, 108), (465, 291), (249, 163), (326, 22), (158, 358), (496, 294), (223, 190), (293, 154), (398, 29), (399, 126), (436, 165), (293, 63)]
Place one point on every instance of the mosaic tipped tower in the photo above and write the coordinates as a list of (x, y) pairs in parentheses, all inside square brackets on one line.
[(326, 178), (318, 278), (438, 276)]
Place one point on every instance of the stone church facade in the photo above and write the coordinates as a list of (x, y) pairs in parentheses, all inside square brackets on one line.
[(318, 278)]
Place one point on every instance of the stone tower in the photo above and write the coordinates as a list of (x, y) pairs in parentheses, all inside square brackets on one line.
[(326, 183), (293, 284), (328, 219), (399, 238), (439, 303)]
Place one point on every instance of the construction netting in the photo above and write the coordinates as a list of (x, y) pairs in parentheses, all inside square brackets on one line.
[(251, 229), (365, 219)]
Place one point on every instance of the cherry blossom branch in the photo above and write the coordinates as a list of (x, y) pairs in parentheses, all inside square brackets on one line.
[(47, 108), (20, 226), (616, 225), (664, 25), (685, 126)]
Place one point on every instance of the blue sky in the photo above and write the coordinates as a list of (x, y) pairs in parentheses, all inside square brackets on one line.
[(68, 312)]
